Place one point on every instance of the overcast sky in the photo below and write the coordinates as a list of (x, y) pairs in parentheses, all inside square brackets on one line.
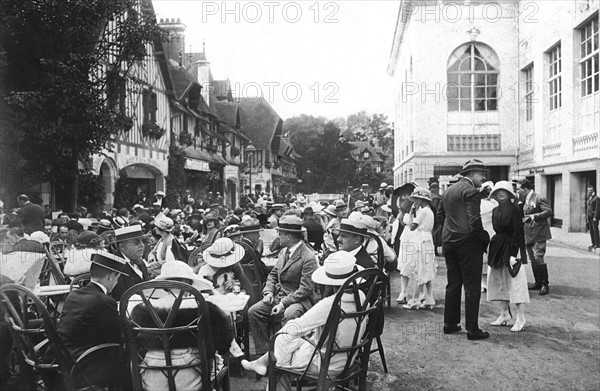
[(319, 58)]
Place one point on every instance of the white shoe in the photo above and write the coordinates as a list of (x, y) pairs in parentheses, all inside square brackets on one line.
[(502, 320), (519, 326), (236, 351), (254, 366)]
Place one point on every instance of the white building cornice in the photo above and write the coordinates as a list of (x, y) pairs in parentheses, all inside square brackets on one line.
[(404, 12)]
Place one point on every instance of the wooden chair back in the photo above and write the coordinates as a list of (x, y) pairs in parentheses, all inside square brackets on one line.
[(371, 283), (51, 273), (80, 281), (33, 332), (164, 329), (379, 258)]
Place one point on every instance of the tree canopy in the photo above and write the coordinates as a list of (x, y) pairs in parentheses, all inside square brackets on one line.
[(325, 150), (58, 62)]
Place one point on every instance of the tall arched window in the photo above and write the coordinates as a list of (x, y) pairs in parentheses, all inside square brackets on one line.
[(473, 79)]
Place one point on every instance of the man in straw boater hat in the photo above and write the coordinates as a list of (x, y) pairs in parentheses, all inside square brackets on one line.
[(130, 245), (464, 240), (291, 350), (289, 290), (90, 318), (351, 235)]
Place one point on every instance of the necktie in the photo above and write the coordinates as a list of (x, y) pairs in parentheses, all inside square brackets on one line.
[(286, 257)]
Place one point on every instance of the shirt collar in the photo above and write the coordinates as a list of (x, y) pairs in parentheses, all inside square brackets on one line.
[(355, 251), (294, 248), (528, 196), (101, 287)]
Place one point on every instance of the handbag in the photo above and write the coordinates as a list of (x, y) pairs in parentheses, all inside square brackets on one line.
[(514, 270)]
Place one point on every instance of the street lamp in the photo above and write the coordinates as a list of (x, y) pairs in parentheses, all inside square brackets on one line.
[(250, 149), (308, 180)]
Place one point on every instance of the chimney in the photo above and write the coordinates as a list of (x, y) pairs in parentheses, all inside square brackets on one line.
[(203, 67), (175, 40)]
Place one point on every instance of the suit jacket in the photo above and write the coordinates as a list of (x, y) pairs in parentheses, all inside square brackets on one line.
[(90, 318), (593, 207), (460, 215), (364, 259), (126, 282), (292, 280), (539, 229)]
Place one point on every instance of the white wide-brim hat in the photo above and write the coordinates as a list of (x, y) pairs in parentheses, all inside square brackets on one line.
[(177, 269), (336, 269), (163, 222), (223, 253), (503, 185), (420, 192)]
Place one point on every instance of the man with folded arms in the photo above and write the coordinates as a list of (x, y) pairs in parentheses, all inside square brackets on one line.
[(289, 290)]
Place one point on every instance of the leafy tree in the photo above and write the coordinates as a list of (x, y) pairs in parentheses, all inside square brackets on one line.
[(60, 63), (323, 151)]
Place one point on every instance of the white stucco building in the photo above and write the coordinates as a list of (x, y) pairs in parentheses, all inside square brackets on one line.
[(506, 82)]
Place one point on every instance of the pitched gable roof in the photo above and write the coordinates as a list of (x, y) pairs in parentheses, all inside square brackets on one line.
[(360, 147), (260, 122), (228, 112), (182, 79)]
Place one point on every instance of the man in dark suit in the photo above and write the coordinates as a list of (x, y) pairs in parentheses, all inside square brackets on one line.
[(30, 215), (90, 318), (351, 236), (289, 291), (463, 241), (130, 244), (536, 228), (593, 217)]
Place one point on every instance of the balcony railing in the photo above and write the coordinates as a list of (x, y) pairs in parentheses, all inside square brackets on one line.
[(585, 143), (473, 142), (551, 149)]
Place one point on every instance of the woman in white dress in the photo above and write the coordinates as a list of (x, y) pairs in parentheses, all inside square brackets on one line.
[(417, 251)]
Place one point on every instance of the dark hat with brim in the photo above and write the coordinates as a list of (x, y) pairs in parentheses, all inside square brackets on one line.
[(474, 165), (109, 261)]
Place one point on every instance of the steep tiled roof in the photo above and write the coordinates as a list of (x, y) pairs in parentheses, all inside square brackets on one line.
[(227, 112), (286, 149), (260, 122), (362, 146), (182, 79)]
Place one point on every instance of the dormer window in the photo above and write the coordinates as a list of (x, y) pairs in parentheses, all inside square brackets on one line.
[(366, 155)]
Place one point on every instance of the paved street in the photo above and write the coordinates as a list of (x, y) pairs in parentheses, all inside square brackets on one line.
[(558, 350)]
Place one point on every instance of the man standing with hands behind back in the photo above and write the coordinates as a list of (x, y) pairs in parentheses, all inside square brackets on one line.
[(464, 240)]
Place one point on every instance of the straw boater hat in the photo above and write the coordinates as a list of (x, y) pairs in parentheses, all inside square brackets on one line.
[(180, 270), (473, 165), (277, 207), (359, 204), (353, 226), (159, 193), (336, 269), (290, 223), (222, 253), (163, 223), (109, 261), (420, 192), (383, 186), (503, 185), (104, 223), (128, 233)]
